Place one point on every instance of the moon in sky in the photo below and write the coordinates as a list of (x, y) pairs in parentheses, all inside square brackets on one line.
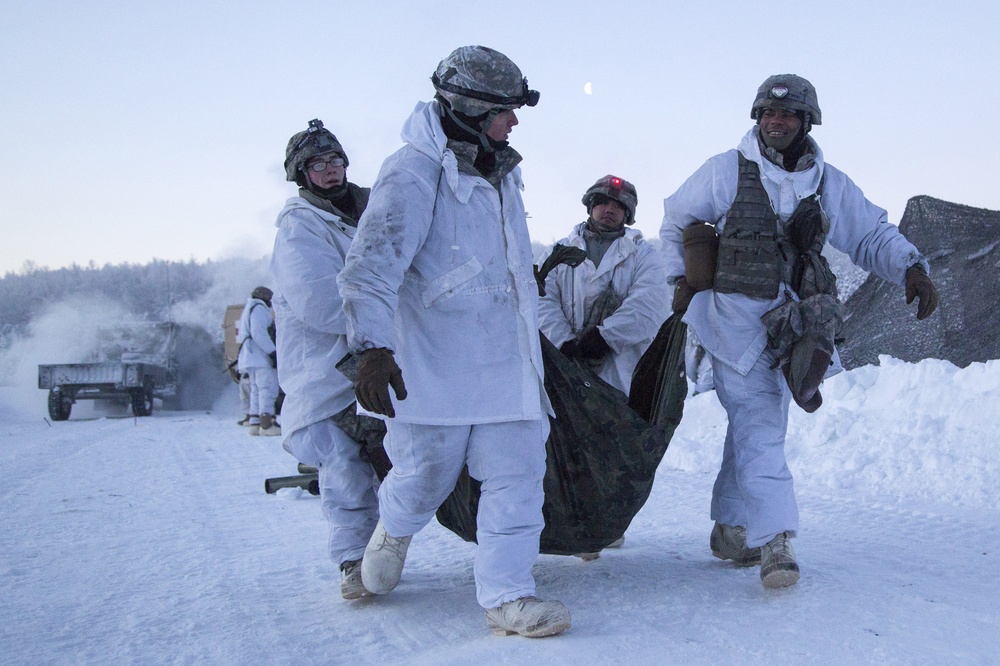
[(587, 88)]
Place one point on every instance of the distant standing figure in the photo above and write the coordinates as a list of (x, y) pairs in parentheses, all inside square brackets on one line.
[(257, 359), (244, 395), (767, 311)]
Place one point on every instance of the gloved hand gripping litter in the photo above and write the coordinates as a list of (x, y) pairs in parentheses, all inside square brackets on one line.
[(377, 371), (592, 345), (561, 254), (683, 293), (919, 285)]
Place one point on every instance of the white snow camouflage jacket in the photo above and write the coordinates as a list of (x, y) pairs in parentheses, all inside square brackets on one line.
[(440, 272), (636, 272), (253, 338), (309, 250), (729, 325)]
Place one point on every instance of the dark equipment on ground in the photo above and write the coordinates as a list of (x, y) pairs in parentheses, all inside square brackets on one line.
[(309, 482)]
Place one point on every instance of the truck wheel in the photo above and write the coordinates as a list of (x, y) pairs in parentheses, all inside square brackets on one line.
[(142, 402), (60, 405)]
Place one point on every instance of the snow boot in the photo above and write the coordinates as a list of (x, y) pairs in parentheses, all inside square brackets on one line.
[(529, 617), (351, 586), (245, 421), (729, 542), (778, 567), (382, 564), (268, 426)]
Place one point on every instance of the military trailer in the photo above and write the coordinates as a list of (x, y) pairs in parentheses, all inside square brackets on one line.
[(133, 365)]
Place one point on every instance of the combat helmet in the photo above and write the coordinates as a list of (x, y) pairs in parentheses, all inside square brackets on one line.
[(304, 145), (475, 80), (262, 293), (788, 91), (615, 188)]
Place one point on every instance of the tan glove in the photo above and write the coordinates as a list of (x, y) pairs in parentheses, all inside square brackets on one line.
[(377, 370), (919, 285)]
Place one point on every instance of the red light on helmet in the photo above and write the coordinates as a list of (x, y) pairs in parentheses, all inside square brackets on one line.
[(616, 183)]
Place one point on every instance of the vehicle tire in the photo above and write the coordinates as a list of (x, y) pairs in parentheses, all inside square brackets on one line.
[(142, 402), (60, 405)]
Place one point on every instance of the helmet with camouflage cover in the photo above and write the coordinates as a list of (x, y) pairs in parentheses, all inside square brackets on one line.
[(262, 293), (307, 144), (787, 91), (475, 80), (615, 188)]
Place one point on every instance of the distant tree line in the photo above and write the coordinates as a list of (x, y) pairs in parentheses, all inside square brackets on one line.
[(146, 291)]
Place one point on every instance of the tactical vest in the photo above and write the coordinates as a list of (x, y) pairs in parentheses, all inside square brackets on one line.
[(754, 258)]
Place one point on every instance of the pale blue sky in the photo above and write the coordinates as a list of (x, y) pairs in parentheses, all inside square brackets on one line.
[(139, 130)]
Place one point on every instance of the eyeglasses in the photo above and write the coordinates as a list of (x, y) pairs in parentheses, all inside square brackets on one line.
[(319, 167)]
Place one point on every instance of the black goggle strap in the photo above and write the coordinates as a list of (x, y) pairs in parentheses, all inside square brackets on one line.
[(484, 140), (526, 98)]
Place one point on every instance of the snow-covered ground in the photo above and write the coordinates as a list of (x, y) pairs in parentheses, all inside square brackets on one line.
[(151, 540)]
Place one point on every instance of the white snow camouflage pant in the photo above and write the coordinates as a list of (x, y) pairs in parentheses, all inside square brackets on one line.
[(245, 392), (509, 459), (263, 391), (754, 487), (347, 485)]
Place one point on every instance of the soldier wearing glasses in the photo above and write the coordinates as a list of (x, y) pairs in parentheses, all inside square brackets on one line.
[(315, 230)]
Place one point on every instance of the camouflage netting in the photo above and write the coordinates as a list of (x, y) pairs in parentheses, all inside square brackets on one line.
[(963, 246)]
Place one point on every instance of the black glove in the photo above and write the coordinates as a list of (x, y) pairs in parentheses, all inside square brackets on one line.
[(561, 254), (592, 345), (683, 294), (571, 348), (377, 370), (540, 281), (919, 285)]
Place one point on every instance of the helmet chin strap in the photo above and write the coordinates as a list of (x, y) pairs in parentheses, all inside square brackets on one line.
[(480, 134)]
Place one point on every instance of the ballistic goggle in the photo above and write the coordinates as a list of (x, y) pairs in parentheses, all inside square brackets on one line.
[(526, 98)]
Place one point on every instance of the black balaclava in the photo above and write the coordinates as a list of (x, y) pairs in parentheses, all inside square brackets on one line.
[(799, 145), (486, 156), (330, 193)]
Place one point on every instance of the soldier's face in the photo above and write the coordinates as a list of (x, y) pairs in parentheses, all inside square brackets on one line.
[(500, 128), (609, 215), (779, 127), (331, 176)]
